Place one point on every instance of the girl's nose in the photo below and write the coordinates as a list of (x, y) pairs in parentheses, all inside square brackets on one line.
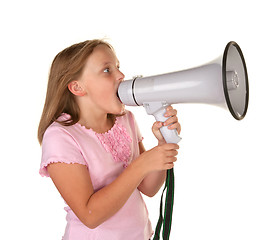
[(121, 76)]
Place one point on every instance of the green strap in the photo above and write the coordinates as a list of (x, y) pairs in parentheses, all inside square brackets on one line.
[(169, 201)]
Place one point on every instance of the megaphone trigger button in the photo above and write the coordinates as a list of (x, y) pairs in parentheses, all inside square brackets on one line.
[(137, 76)]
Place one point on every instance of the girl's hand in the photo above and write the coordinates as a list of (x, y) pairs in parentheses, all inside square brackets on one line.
[(171, 122), (158, 158)]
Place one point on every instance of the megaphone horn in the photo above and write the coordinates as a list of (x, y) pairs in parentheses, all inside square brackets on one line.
[(222, 82)]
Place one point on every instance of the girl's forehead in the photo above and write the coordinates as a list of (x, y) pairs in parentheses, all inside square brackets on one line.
[(102, 54)]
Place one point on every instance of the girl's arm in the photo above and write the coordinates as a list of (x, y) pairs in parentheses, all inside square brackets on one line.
[(152, 182), (94, 207)]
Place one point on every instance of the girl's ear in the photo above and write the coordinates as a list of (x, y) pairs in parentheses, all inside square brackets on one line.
[(75, 88)]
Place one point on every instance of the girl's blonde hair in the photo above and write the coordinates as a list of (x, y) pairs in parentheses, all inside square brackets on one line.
[(67, 66)]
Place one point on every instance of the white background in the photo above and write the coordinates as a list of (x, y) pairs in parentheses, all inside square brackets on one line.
[(228, 172)]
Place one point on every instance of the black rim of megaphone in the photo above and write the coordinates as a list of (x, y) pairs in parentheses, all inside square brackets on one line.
[(225, 81)]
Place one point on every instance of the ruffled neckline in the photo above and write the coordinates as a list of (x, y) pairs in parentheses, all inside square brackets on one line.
[(67, 116), (116, 141), (108, 132)]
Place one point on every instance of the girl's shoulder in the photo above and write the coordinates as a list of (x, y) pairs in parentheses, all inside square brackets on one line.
[(64, 117), (60, 144), (58, 130)]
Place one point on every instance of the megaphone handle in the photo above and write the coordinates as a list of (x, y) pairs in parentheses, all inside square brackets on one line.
[(158, 110), (170, 135)]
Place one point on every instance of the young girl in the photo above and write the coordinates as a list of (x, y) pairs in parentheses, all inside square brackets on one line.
[(92, 148)]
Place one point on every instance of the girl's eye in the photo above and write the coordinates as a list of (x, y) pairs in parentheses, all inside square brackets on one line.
[(106, 70)]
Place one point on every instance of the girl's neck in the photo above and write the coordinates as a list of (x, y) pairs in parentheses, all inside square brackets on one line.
[(99, 124)]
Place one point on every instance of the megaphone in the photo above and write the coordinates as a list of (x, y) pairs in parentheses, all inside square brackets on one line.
[(222, 82)]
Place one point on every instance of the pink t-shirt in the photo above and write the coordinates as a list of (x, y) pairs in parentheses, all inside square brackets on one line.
[(106, 156)]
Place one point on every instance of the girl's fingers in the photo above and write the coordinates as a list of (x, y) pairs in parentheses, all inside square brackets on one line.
[(171, 120), (170, 112), (176, 126)]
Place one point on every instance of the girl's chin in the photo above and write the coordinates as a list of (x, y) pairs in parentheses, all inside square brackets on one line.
[(120, 110)]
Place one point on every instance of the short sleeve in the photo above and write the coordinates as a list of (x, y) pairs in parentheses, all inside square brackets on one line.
[(59, 146)]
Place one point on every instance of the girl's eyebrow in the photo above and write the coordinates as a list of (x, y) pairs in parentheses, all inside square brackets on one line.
[(108, 63)]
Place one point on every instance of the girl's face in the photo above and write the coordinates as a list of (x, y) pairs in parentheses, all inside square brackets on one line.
[(100, 80)]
